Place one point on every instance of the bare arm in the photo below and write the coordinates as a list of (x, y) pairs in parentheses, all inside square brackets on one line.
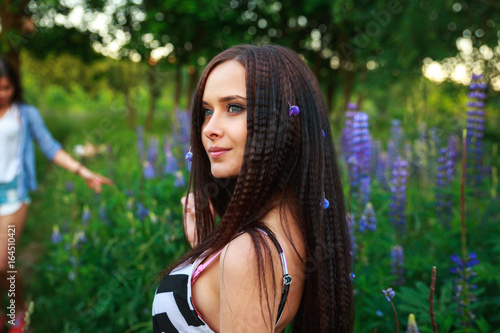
[(243, 306), (94, 181)]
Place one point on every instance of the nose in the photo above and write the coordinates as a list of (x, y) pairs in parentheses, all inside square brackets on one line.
[(214, 128)]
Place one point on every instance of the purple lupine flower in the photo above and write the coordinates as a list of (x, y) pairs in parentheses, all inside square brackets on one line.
[(356, 143), (141, 212), (475, 130), (381, 167), (148, 170), (171, 161), (464, 287), (149, 164), (444, 177), (397, 263), (56, 235), (70, 186), (389, 294), (350, 228), (368, 220), (79, 238), (379, 313), (394, 147), (103, 214), (183, 117), (179, 179), (398, 189), (140, 142), (86, 216)]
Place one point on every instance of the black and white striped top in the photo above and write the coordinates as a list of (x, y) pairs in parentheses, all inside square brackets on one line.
[(173, 309)]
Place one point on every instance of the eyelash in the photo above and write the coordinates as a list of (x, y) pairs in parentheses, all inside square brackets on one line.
[(241, 108)]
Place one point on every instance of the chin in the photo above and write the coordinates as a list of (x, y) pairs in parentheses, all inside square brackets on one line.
[(218, 173)]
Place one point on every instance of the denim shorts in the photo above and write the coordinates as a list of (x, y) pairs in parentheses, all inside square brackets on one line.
[(10, 201)]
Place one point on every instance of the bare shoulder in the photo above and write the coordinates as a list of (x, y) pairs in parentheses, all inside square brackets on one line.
[(243, 306)]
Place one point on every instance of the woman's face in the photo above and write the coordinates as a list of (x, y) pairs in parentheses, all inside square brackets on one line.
[(224, 130), (6, 91)]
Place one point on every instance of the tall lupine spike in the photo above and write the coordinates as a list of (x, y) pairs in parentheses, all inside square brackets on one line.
[(475, 130), (183, 117), (356, 142), (412, 324), (368, 220), (398, 186), (140, 142), (397, 263), (170, 160)]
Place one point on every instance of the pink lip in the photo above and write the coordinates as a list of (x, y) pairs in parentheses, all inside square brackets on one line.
[(217, 152)]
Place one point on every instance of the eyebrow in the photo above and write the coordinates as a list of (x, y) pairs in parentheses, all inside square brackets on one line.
[(227, 98)]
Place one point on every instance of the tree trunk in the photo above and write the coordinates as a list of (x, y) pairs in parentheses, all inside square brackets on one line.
[(193, 80), (154, 82), (331, 85), (11, 35), (131, 111), (178, 87)]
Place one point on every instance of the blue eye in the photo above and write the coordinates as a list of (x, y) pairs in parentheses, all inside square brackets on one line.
[(235, 108), (207, 112)]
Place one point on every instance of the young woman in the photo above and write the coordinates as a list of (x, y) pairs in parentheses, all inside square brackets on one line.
[(19, 124), (264, 164)]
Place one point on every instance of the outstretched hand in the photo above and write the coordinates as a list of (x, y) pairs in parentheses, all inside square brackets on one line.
[(94, 181)]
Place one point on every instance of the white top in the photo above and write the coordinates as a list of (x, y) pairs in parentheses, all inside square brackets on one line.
[(10, 137)]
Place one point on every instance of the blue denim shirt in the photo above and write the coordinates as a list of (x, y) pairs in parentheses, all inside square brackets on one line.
[(32, 126)]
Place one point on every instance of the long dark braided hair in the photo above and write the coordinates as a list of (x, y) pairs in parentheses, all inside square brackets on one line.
[(283, 154)]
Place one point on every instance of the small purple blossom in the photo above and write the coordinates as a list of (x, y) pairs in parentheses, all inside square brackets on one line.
[(325, 203), (294, 110), (56, 235), (397, 262), (140, 142), (189, 156), (148, 170), (86, 215), (141, 212), (70, 186), (171, 161), (389, 294), (368, 220), (179, 179)]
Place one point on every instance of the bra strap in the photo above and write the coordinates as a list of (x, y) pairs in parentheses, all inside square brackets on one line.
[(287, 279)]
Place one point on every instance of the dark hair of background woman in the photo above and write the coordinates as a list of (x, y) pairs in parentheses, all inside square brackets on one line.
[(283, 154), (6, 70)]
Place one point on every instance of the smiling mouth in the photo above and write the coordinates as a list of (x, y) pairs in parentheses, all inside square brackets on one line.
[(218, 153)]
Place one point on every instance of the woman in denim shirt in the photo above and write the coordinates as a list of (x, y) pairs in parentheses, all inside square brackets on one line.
[(20, 123)]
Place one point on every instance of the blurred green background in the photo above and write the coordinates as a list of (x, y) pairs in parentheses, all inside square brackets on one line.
[(113, 80)]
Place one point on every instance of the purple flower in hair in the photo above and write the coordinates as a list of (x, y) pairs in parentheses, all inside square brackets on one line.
[(294, 110)]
